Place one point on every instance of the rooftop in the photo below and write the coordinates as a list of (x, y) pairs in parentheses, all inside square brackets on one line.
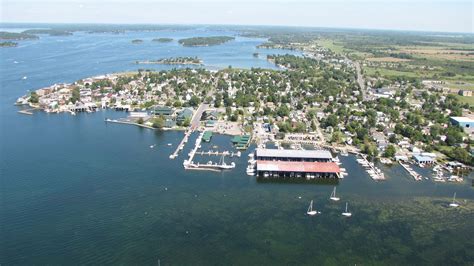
[(293, 153), (421, 158), (462, 119), (306, 167)]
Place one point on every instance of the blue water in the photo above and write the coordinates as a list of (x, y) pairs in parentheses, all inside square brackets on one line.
[(75, 190)]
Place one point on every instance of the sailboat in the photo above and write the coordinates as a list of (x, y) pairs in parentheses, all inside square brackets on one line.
[(454, 204), (333, 195), (310, 211), (346, 213)]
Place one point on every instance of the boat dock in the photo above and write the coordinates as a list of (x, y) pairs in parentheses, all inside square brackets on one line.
[(181, 144), (414, 174), (27, 111), (217, 153), (241, 142), (374, 172), (190, 164)]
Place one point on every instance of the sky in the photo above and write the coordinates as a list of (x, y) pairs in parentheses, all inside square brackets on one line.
[(418, 15)]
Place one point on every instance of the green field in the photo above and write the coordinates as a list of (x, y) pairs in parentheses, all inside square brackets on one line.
[(466, 99)]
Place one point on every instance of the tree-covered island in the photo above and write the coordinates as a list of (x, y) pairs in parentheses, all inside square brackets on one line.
[(205, 41)]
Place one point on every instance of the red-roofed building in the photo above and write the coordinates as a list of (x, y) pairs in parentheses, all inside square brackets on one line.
[(307, 170)]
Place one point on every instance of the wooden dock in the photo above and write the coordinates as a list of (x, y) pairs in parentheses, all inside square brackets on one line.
[(414, 174), (27, 111), (217, 153), (181, 144), (375, 173)]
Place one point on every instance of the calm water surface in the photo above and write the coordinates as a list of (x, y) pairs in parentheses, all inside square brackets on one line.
[(74, 190)]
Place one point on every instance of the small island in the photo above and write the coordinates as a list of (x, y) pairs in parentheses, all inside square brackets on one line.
[(8, 44), (162, 40), (187, 60), (4, 35), (50, 32), (137, 41), (205, 41)]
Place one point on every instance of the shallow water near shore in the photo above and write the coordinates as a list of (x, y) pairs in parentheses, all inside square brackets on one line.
[(75, 189)]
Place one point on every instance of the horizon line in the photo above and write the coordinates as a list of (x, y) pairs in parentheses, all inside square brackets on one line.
[(240, 25)]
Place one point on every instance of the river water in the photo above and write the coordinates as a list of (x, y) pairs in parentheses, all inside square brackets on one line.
[(75, 190)]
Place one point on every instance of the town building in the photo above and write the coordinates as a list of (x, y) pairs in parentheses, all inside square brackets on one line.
[(462, 121)]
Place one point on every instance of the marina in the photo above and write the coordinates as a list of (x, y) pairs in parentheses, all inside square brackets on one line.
[(221, 165)]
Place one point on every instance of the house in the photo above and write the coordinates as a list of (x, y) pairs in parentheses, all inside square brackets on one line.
[(184, 114), (462, 121), (465, 92), (210, 115), (421, 159), (162, 110)]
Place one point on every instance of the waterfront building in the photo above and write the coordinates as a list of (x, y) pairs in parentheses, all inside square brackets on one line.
[(184, 114), (293, 155), (296, 163), (163, 110), (422, 159)]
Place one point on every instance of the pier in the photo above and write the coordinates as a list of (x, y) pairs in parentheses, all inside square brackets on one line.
[(108, 120), (414, 174), (217, 153), (375, 173), (27, 111), (181, 144)]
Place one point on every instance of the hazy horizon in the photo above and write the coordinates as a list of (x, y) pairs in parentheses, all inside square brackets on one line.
[(420, 15)]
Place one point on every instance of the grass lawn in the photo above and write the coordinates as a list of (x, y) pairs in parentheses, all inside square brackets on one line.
[(331, 45), (389, 72), (466, 99)]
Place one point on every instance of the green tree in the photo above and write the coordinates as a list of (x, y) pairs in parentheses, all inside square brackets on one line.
[(187, 122), (194, 101), (34, 98), (389, 151), (158, 122), (76, 95), (337, 137)]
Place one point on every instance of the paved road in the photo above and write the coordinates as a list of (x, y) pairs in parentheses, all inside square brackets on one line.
[(360, 80), (196, 120)]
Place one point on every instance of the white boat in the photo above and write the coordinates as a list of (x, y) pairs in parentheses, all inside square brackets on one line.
[(169, 144), (454, 204), (25, 77), (333, 195), (346, 213), (310, 210), (152, 146)]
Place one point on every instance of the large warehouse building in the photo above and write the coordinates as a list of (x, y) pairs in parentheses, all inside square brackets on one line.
[(307, 164)]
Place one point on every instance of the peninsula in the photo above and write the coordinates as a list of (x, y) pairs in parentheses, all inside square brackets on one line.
[(174, 61)]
